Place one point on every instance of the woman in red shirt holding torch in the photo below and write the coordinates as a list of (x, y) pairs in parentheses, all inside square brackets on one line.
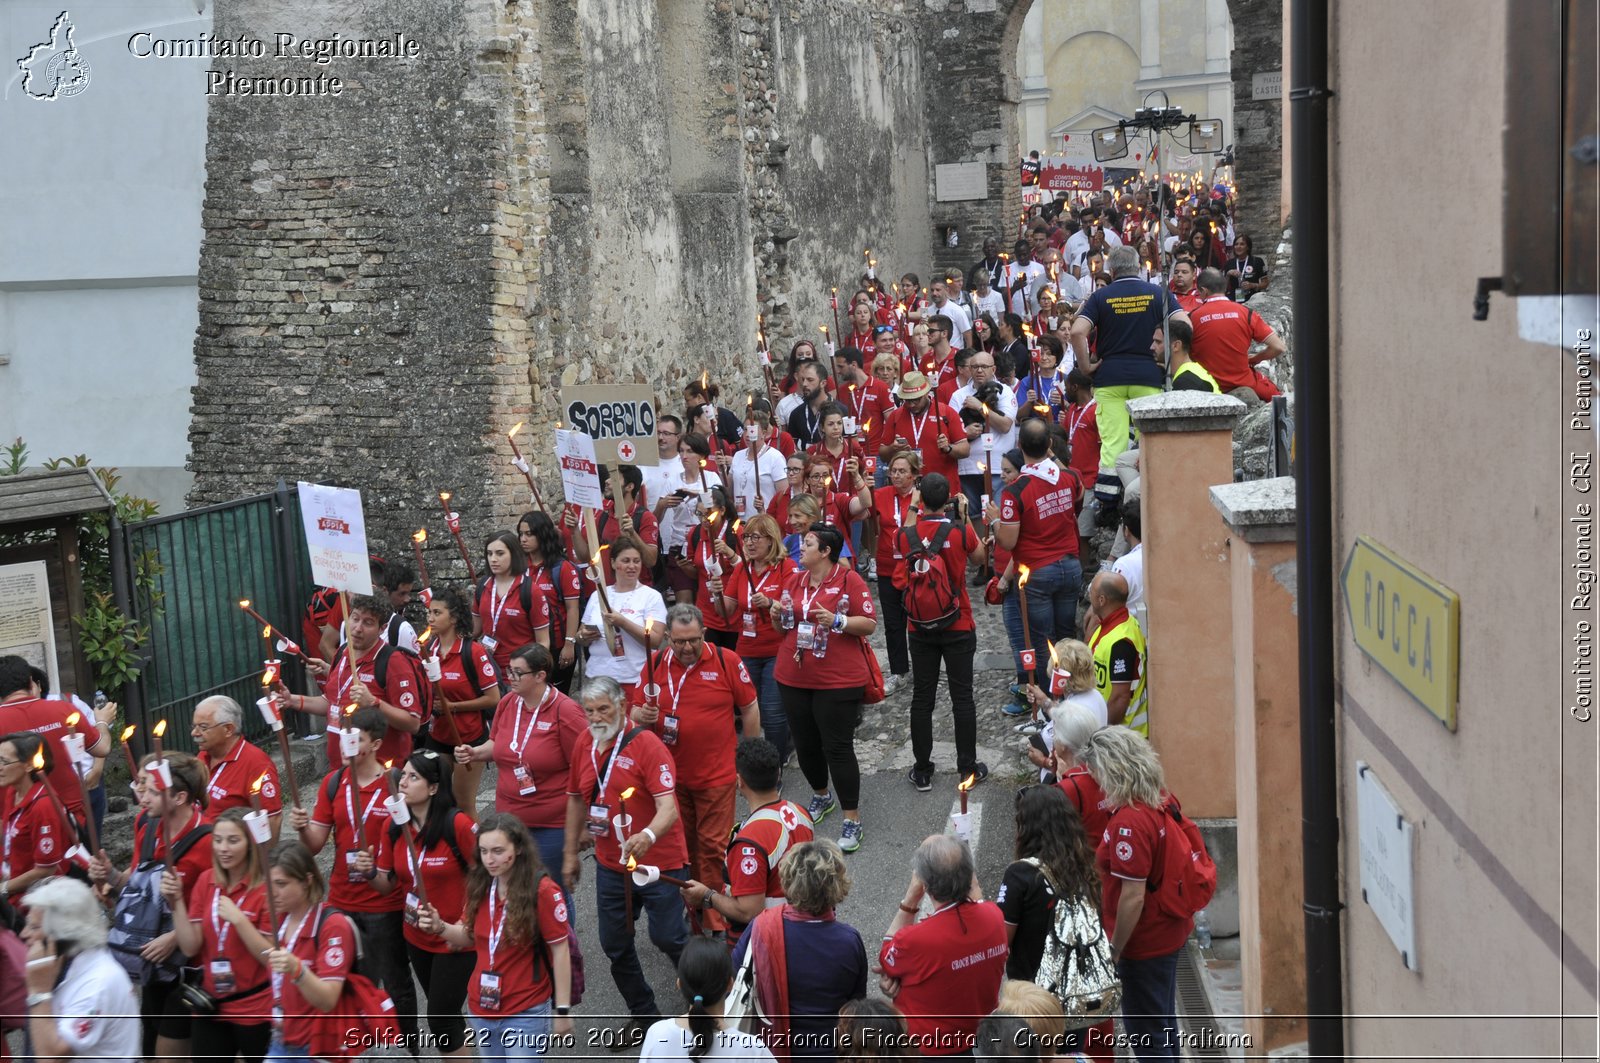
[(466, 683)]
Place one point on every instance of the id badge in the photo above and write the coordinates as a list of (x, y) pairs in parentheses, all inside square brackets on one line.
[(525, 784), (849, 426), (222, 983), (669, 730), (805, 635), (487, 643), (350, 872), (413, 908), (749, 625), (489, 990), (599, 820)]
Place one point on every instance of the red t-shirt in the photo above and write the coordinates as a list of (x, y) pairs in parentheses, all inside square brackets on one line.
[(402, 689), (505, 624), (232, 776), (843, 664), (700, 548), (1087, 797), (570, 589), (220, 941), (1188, 301), (870, 404), (922, 433), (47, 718), (1129, 851), (950, 966), (326, 609), (704, 699), (1083, 431), (838, 464), (35, 835), (760, 844), (339, 812), (533, 751), (329, 953), (195, 861), (742, 587), (836, 513), (1223, 332), (599, 777), (524, 970), (456, 686), (1046, 513), (442, 874), (893, 510), (958, 545)]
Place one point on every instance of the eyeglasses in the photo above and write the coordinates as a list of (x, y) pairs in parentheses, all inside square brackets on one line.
[(203, 727), (755, 535), (517, 673), (8, 763), (695, 641)]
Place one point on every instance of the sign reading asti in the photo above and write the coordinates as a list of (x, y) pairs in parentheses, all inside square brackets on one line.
[(1408, 623)]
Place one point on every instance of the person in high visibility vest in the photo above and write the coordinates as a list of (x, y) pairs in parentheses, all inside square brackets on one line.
[(1187, 374), (1118, 648)]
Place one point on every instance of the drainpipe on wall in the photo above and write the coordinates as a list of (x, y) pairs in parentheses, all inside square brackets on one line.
[(1319, 764)]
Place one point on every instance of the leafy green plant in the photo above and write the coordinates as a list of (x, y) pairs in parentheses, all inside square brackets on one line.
[(16, 458), (111, 642)]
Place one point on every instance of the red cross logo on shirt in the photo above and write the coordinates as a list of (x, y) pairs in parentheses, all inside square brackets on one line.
[(788, 818)]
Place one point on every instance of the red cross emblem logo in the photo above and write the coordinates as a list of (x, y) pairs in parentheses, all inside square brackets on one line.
[(625, 451), (787, 815)]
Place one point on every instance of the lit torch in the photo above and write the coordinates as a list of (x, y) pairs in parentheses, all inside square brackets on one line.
[(453, 520), (419, 539), (1028, 660), (522, 465), (963, 788), (260, 836)]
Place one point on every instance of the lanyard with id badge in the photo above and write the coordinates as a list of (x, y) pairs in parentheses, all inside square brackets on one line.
[(599, 822), (808, 636), (223, 983), (669, 721), (357, 828), (497, 605), (489, 978), (311, 918), (522, 773), (753, 587)]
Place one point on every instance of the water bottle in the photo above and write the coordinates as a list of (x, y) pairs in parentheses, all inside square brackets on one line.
[(820, 647), (100, 698), (1202, 928), (787, 618)]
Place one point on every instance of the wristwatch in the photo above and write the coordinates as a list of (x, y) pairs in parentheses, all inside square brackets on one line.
[(707, 904), (563, 1009)]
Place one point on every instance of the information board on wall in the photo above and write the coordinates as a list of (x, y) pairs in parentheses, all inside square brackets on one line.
[(1386, 862), (27, 628)]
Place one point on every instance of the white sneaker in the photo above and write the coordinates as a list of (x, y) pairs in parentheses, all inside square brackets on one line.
[(872, 568), (891, 683)]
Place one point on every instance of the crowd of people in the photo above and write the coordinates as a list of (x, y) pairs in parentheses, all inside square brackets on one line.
[(638, 678)]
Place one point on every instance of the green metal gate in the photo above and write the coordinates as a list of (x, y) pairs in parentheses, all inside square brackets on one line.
[(201, 642)]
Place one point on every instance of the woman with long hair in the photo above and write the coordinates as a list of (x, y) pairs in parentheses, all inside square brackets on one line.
[(1145, 938), (467, 687), (507, 612), (515, 920), (1207, 251), (746, 597), (823, 671), (530, 742), (679, 514), (229, 929), (705, 975), (314, 952), (894, 506), (632, 606), (438, 846), (556, 577), (726, 425), (1247, 271), (710, 550), (833, 499)]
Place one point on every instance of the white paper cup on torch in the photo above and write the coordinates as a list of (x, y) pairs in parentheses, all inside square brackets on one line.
[(72, 742), (160, 774), (398, 810), (268, 707), (652, 693), (622, 824), (260, 825), (434, 668), (349, 743), (962, 821), (646, 875)]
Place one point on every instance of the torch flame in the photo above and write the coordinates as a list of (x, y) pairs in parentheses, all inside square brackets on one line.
[(160, 728), (515, 429), (1022, 575), (1054, 660), (266, 631), (867, 425), (255, 787), (38, 759), (824, 330), (625, 794), (632, 863), (968, 783), (72, 721), (444, 496), (737, 525), (421, 536), (705, 378), (244, 603), (127, 732), (268, 677), (427, 633), (349, 711)]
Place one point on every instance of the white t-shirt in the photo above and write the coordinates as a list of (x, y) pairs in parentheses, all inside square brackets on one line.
[(662, 479), (972, 465), (97, 1010), (991, 303), (772, 470), (676, 520), (1130, 566), (960, 321), (1026, 302), (638, 605), (666, 1040), (786, 406)]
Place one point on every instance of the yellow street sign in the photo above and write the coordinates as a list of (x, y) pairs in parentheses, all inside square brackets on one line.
[(1407, 622)]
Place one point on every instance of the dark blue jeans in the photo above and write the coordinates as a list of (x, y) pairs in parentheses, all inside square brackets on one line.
[(1150, 1005), (669, 932), (774, 724), (1052, 610)]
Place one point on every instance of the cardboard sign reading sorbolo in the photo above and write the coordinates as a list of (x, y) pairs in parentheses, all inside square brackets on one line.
[(336, 537), (580, 473), (621, 420)]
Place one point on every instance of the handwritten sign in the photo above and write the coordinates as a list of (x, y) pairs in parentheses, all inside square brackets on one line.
[(1386, 871), (336, 537), (580, 472), (620, 420)]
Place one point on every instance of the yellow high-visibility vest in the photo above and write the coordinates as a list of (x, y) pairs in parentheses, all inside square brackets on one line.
[(1100, 644)]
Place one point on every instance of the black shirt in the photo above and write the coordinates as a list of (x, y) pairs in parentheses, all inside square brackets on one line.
[(805, 425), (1017, 357), (1028, 903), (1251, 268)]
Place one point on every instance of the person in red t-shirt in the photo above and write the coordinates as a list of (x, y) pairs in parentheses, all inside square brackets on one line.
[(834, 505), (862, 314), (622, 799), (931, 429), (954, 644), (747, 595), (507, 613), (1083, 431), (234, 766), (636, 518), (689, 695), (396, 694), (1039, 525), (228, 931), (778, 506), (866, 400), (466, 684), (556, 577), (530, 741), (350, 812), (710, 551), (23, 709), (1145, 939), (515, 925), (315, 953), (894, 506), (1224, 332), (439, 844), (36, 835), (944, 972)]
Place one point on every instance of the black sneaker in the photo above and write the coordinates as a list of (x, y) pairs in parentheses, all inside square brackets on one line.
[(922, 780), (978, 772)]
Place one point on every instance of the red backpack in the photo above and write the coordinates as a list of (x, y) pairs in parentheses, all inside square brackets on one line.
[(932, 599), (364, 1014), (1188, 874)]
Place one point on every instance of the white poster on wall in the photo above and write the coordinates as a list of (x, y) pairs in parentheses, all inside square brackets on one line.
[(336, 537), (27, 629), (1386, 862)]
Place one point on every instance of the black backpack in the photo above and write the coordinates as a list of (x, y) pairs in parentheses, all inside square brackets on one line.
[(932, 601), (141, 914), (380, 672)]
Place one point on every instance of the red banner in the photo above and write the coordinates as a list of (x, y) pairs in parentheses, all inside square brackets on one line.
[(1062, 175)]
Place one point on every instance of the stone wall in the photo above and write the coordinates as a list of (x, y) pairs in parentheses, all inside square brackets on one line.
[(1257, 136)]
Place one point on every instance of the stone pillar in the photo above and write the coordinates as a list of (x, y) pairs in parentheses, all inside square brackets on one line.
[(1259, 515), (1188, 446)]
